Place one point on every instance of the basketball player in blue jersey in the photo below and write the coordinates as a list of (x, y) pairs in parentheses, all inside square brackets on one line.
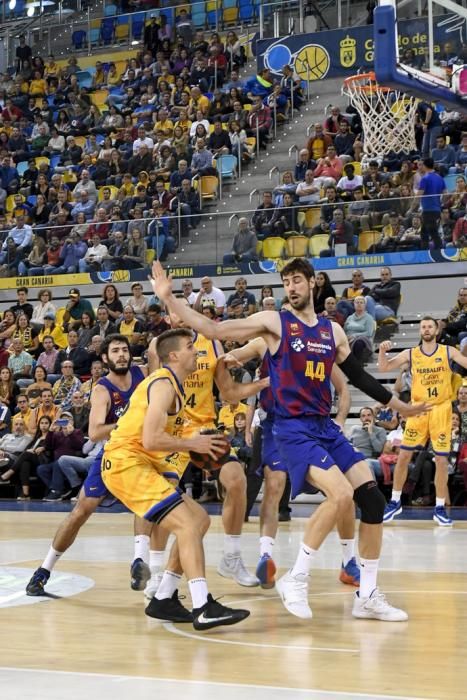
[(302, 349), (275, 473), (109, 398)]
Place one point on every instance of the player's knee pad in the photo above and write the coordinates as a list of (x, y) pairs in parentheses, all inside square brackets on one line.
[(371, 502)]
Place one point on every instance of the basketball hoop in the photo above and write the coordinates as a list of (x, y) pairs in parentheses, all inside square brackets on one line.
[(388, 116)]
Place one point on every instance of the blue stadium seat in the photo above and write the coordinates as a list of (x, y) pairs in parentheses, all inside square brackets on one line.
[(84, 78), (22, 167), (246, 13), (54, 161), (137, 27), (212, 17), (199, 18), (110, 10), (78, 39), (94, 36), (32, 200), (226, 4), (107, 30), (123, 19)]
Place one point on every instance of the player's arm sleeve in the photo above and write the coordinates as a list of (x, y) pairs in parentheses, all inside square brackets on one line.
[(364, 381)]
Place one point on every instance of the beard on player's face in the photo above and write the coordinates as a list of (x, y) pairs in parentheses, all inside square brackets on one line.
[(120, 367), (299, 301), (428, 336)]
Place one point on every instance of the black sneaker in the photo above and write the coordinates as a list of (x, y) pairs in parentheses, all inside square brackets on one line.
[(53, 496), (140, 574), (213, 614), (37, 583), (169, 610), (71, 493)]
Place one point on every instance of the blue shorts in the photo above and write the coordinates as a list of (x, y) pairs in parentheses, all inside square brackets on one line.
[(312, 441), (270, 456), (93, 485)]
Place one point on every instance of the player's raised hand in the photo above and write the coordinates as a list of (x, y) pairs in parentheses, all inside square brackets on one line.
[(230, 361), (385, 346), (161, 283)]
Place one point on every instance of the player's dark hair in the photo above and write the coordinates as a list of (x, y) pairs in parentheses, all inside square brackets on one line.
[(430, 318), (299, 265), (169, 341), (113, 338), (429, 163)]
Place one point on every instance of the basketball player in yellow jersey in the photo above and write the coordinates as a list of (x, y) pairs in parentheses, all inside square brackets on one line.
[(136, 469), (430, 367), (200, 413)]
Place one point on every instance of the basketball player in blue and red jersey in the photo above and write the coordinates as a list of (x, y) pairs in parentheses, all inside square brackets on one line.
[(109, 399), (302, 349), (275, 472)]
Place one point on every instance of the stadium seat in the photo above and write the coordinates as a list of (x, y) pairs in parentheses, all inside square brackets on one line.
[(150, 255), (137, 28), (10, 203), (99, 97), (296, 246), (357, 166), (227, 166), (22, 167), (318, 243), (84, 79), (123, 19), (198, 18), (212, 18), (367, 239), (122, 32), (273, 247), (94, 36), (78, 39), (312, 217), (54, 161), (230, 15), (80, 141), (227, 4), (107, 31), (69, 176), (246, 13), (42, 159), (259, 247), (32, 200), (209, 185), (110, 10), (450, 181)]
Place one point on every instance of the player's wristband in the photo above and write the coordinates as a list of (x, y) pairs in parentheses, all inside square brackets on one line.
[(364, 381)]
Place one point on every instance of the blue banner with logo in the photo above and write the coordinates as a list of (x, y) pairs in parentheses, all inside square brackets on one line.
[(342, 52)]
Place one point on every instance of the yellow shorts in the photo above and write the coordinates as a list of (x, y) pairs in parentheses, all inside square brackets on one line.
[(140, 483), (434, 426)]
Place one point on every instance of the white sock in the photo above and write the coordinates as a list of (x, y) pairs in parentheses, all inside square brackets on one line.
[(198, 591), (156, 560), (348, 550), (266, 545), (368, 575), (168, 585), (440, 502), (396, 495), (232, 545), (51, 559), (142, 548), (304, 560)]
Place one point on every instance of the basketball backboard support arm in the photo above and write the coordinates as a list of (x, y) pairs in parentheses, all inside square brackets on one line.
[(399, 76)]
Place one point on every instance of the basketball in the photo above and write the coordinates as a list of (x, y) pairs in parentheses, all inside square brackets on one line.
[(312, 62), (204, 461)]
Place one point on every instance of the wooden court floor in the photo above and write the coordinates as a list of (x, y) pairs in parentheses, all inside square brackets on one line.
[(96, 624)]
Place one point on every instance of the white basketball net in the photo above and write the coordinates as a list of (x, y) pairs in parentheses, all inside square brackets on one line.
[(388, 116)]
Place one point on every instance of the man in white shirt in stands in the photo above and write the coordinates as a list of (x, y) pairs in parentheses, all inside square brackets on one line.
[(308, 191), (142, 138), (94, 255), (208, 294), (188, 293)]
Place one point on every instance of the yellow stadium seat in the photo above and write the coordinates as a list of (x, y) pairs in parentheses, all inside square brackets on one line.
[(318, 243), (209, 185), (80, 141), (95, 24), (178, 9), (296, 246), (247, 107), (99, 97), (10, 202), (357, 166), (312, 217), (69, 177), (41, 159), (273, 247), (367, 239), (122, 32), (259, 247), (250, 143), (230, 15), (211, 6), (113, 192), (150, 255)]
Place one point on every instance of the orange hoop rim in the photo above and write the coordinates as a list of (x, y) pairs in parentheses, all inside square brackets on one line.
[(353, 79)]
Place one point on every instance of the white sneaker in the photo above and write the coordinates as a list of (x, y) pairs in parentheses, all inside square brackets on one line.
[(293, 591), (153, 584), (376, 607), (233, 567)]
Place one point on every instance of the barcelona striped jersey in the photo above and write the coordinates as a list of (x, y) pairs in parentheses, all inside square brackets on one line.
[(300, 370), (266, 397), (119, 398)]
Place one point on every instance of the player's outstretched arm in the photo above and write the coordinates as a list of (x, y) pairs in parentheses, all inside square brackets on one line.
[(368, 384), (456, 356), (385, 364), (255, 349), (241, 329)]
